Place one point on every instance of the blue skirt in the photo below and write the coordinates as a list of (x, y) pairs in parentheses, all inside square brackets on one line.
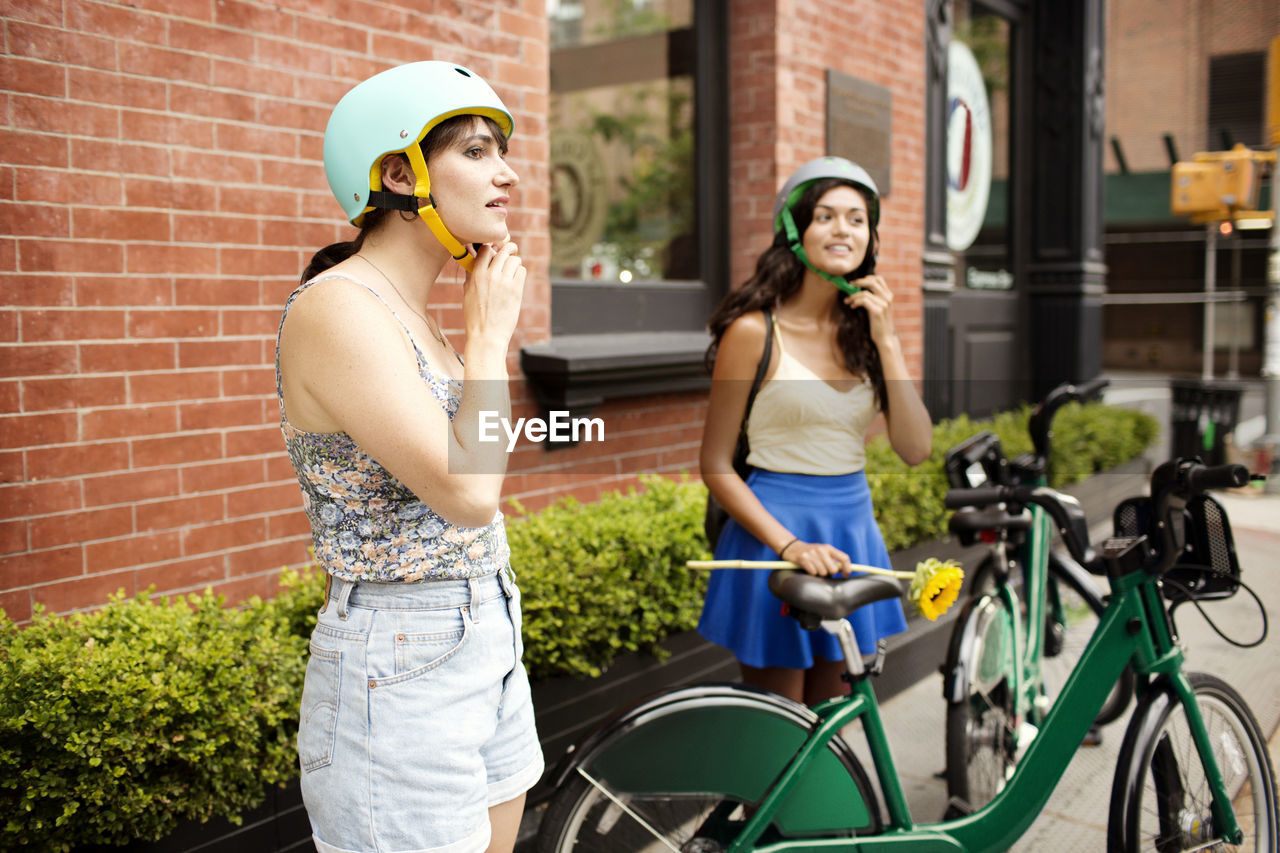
[(743, 616)]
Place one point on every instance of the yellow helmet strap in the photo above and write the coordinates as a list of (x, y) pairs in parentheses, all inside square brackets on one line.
[(428, 213)]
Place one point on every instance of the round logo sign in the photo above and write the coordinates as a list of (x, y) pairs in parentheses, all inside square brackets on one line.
[(968, 148), (578, 200)]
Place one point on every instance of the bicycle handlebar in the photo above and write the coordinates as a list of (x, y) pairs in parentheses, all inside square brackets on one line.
[(979, 497), (1065, 511), (1201, 478), (1173, 485), (1041, 423), (1091, 388)]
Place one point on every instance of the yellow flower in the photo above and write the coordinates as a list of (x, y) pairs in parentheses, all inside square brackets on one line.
[(935, 587)]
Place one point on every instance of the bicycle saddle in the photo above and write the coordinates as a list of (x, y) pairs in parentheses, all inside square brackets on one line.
[(830, 598)]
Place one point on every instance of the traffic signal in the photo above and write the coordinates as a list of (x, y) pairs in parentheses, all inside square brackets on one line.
[(1216, 185)]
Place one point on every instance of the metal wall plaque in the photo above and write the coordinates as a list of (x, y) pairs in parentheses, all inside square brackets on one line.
[(859, 124)]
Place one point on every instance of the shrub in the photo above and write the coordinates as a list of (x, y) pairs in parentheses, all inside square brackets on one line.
[(1093, 438), (606, 578), (116, 725)]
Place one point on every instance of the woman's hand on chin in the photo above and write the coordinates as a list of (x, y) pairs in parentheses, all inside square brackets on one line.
[(876, 297)]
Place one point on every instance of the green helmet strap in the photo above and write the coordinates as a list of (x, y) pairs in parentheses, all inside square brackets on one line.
[(795, 242)]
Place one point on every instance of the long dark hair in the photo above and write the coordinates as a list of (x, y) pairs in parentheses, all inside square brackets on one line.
[(443, 135), (778, 276)]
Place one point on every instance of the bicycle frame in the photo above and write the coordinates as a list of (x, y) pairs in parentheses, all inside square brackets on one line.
[(1029, 653), (1133, 628)]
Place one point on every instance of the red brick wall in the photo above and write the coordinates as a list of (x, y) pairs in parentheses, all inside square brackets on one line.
[(754, 171), (161, 188), (779, 53)]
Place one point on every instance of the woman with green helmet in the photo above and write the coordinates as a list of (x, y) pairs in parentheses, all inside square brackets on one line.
[(416, 728), (818, 320)]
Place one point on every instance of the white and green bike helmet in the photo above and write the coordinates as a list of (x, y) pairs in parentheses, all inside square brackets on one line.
[(391, 113), (801, 180)]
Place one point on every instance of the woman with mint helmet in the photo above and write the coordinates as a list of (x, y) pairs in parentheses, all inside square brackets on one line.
[(834, 362), (416, 729)]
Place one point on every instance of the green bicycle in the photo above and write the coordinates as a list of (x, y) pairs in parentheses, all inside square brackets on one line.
[(1011, 647), (729, 769)]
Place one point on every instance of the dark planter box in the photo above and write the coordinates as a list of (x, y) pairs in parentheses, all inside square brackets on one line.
[(279, 825)]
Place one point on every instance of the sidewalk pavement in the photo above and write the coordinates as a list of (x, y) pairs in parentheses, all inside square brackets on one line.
[(1075, 818)]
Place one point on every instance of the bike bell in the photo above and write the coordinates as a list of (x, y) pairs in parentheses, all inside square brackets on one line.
[(801, 180), (390, 113)]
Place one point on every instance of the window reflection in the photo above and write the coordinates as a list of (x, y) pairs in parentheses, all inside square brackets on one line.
[(987, 264), (621, 121)]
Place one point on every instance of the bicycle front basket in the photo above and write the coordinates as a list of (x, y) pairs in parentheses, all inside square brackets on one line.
[(1207, 569)]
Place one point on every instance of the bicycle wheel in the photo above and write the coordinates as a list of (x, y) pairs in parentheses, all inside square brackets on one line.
[(586, 816), (981, 735), (686, 776), (1160, 797)]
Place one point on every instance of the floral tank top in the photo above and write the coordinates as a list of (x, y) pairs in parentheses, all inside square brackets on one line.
[(365, 523)]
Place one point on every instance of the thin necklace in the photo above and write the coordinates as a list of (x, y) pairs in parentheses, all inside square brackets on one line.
[(431, 327)]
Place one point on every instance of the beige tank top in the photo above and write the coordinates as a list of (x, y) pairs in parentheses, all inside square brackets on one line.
[(801, 425)]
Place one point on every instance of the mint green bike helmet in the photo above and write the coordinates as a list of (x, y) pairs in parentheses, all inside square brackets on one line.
[(392, 112), (801, 180)]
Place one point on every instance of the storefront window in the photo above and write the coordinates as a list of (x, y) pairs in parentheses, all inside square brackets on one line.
[(622, 121), (978, 128)]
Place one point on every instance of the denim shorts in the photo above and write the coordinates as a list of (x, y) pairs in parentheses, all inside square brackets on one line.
[(416, 715)]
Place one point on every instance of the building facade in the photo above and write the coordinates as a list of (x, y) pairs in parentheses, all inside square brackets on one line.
[(1184, 77), (161, 166)]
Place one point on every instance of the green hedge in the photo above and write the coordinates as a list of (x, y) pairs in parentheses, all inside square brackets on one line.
[(116, 725), (606, 578)]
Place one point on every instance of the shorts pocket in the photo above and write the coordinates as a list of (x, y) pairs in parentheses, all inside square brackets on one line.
[(419, 653), (513, 608), (318, 721)]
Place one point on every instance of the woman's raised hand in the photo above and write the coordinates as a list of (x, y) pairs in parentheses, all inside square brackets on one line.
[(817, 558), (492, 292), (877, 298)]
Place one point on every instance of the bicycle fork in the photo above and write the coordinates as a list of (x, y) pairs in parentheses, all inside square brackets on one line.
[(1168, 660)]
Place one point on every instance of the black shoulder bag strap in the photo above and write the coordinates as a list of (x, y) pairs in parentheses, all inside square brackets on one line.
[(743, 448)]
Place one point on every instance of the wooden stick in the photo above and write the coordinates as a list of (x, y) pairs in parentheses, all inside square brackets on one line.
[(786, 564)]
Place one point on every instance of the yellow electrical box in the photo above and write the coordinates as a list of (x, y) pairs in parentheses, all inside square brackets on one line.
[(1214, 185), (1197, 188)]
